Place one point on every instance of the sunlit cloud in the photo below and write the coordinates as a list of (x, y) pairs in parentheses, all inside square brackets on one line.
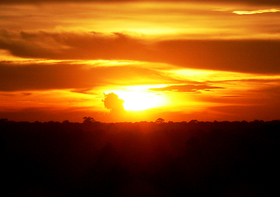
[(256, 11)]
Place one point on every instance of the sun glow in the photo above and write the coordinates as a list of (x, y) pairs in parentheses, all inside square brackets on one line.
[(139, 98)]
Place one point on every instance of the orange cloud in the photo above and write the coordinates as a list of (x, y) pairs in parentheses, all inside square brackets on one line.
[(256, 56), (186, 88), (42, 76)]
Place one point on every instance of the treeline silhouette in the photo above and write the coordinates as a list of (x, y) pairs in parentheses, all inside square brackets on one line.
[(139, 159)]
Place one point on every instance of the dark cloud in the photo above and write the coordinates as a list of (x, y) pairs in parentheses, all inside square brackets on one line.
[(84, 91), (253, 56), (252, 2), (114, 103), (256, 56), (232, 96), (263, 81), (72, 76), (26, 94), (73, 46), (186, 88)]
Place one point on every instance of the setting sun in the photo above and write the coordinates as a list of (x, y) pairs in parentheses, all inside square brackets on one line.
[(139, 98)]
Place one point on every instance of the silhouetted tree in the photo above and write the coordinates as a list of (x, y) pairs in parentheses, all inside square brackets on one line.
[(3, 120), (66, 122), (120, 159), (193, 121), (159, 121), (88, 120)]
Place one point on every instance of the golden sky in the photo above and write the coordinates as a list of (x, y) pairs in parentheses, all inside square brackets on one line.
[(178, 60)]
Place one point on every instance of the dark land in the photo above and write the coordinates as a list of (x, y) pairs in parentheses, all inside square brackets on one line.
[(140, 159)]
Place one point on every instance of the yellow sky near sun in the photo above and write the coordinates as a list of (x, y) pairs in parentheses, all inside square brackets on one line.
[(234, 91), (228, 81)]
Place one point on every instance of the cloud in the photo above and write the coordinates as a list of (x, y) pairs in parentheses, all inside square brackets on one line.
[(168, 19), (26, 93), (256, 11), (260, 56), (245, 92), (40, 76), (84, 91), (73, 45), (253, 56), (112, 102), (186, 88)]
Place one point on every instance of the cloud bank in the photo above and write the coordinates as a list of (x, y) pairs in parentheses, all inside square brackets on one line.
[(16, 77), (253, 56)]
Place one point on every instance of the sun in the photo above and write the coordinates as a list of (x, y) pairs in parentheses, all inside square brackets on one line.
[(138, 101), (139, 98)]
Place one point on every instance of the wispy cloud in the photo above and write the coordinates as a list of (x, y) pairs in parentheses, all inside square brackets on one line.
[(256, 11), (186, 88)]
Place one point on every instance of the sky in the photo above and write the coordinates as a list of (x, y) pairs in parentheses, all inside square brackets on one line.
[(137, 60)]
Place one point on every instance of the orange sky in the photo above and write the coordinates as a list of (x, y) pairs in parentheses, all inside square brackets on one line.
[(178, 60)]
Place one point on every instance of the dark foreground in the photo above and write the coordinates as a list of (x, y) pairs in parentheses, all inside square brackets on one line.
[(140, 159)]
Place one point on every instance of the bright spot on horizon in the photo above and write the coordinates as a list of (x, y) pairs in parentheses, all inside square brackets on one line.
[(139, 98)]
